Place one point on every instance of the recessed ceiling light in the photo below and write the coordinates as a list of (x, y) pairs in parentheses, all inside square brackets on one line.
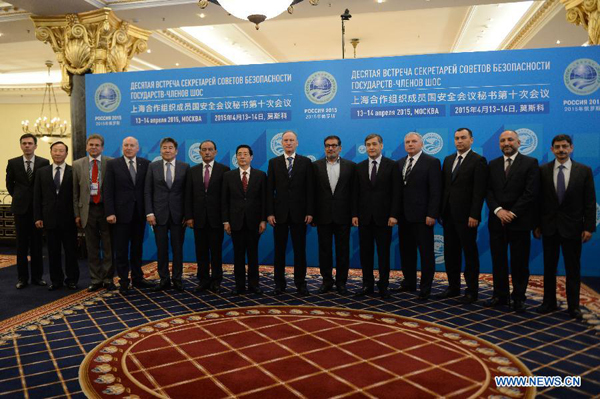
[(202, 15), (380, 1), (1, 34), (177, 64), (148, 51), (558, 42)]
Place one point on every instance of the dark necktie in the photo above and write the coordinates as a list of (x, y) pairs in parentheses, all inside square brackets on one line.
[(508, 164), (290, 164), (374, 172), (560, 184), (57, 179), (245, 181), (455, 171), (132, 172), (169, 178), (29, 171), (206, 176), (95, 198), (408, 169)]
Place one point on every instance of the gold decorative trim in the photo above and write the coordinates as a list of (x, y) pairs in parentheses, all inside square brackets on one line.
[(530, 24), (178, 40), (587, 14)]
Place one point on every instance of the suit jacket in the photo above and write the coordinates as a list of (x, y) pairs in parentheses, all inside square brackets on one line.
[(19, 186), (55, 210), (336, 207), (290, 199), (421, 196), (204, 206), (577, 212), (381, 201), (517, 192), (123, 196), (463, 197), (162, 201), (81, 186), (250, 206)]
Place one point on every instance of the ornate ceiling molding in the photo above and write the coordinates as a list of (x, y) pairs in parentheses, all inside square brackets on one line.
[(179, 41), (134, 4), (531, 23)]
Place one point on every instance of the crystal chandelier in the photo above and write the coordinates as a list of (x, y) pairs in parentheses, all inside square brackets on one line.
[(47, 127), (256, 11)]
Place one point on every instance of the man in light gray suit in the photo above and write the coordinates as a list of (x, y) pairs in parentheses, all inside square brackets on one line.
[(88, 203), (164, 196)]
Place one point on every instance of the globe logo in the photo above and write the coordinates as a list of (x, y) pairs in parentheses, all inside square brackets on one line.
[(528, 139), (158, 158), (276, 146), (320, 87), (107, 97), (432, 143), (438, 249), (362, 149), (234, 161), (312, 158), (597, 214), (582, 77), (194, 153)]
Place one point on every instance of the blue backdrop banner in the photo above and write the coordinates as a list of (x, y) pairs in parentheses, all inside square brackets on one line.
[(538, 93)]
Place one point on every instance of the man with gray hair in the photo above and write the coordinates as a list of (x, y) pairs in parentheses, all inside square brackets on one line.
[(420, 206)]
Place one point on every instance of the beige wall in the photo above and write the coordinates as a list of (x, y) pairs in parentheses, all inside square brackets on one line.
[(11, 116)]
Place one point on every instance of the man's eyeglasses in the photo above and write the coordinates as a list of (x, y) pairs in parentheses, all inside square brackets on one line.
[(331, 145)]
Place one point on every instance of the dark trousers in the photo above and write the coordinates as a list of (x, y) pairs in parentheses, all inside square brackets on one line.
[(29, 241), (245, 242), (327, 233), (370, 235), (63, 238), (99, 246), (413, 237), (128, 245), (459, 238), (161, 234), (209, 245), (520, 244), (280, 234), (571, 249)]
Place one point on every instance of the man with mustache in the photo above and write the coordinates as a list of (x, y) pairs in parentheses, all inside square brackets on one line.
[(567, 220), (512, 193)]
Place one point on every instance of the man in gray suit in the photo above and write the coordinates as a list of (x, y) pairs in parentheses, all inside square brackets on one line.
[(88, 203), (164, 196)]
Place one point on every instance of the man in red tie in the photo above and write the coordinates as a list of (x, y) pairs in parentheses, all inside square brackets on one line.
[(88, 203)]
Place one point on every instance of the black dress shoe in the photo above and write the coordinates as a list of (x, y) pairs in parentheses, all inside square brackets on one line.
[(303, 291), (143, 283), (54, 287), (215, 288), (202, 288), (94, 287), (237, 291), (21, 284), (162, 287), (71, 286), (324, 288), (405, 288), (385, 294), (545, 308), (467, 299), (342, 290), (110, 286), (495, 301), (575, 313), (448, 293), (40, 282), (255, 290), (423, 296), (519, 306), (364, 291), (278, 291), (178, 285), (124, 289)]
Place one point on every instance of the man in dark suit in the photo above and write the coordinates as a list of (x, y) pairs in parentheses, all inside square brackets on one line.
[(53, 212), (203, 214), (124, 209), (465, 185), (420, 206), (567, 219), (88, 203), (377, 185), (290, 209), (20, 180), (165, 196), (513, 187), (334, 181), (244, 200)]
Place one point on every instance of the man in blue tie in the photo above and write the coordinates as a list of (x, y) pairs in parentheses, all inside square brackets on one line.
[(567, 220)]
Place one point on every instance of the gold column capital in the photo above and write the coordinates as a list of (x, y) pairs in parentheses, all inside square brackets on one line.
[(587, 14), (95, 41)]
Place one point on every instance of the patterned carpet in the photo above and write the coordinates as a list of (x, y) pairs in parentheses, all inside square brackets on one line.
[(41, 351)]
